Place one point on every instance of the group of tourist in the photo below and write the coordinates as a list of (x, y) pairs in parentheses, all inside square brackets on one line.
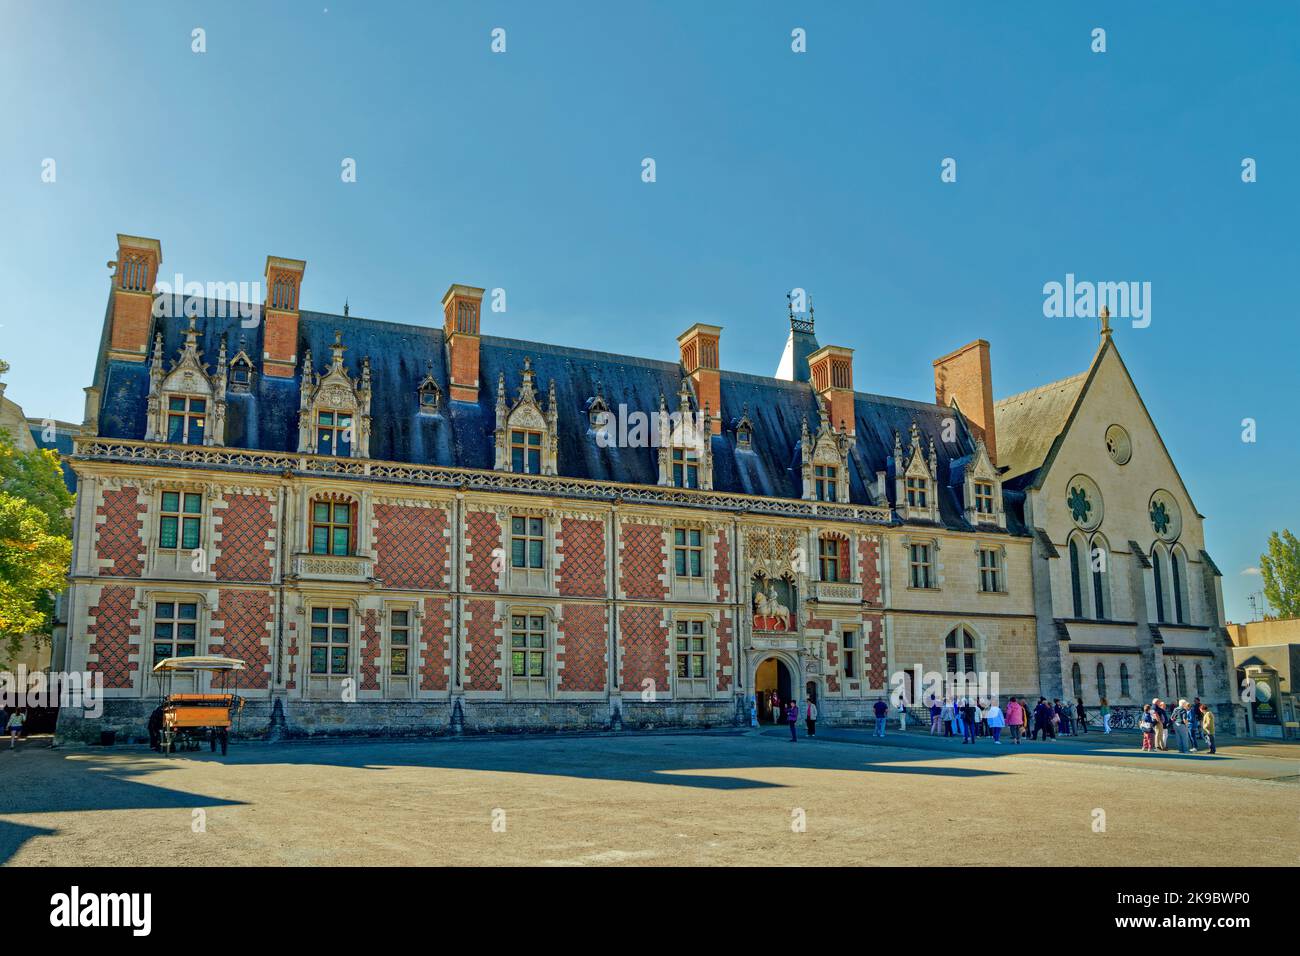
[(973, 718), (1193, 724)]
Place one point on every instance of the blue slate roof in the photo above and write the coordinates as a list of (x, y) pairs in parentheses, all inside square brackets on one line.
[(461, 435)]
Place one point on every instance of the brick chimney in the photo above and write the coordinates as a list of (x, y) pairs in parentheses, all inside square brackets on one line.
[(134, 273), (830, 370), (699, 345), (965, 377), (280, 315), (460, 307)]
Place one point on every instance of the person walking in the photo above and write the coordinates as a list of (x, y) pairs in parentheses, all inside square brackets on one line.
[(1179, 718), (1015, 719), (792, 718), (1207, 726), (902, 713), (968, 721), (995, 721), (811, 716), (775, 704), (935, 711), (16, 720), (946, 716), (1081, 714), (1105, 716), (1147, 724), (881, 709)]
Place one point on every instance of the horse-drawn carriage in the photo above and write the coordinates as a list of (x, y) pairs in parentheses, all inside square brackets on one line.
[(188, 719)]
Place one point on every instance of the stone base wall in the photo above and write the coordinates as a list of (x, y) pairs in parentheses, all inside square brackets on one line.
[(318, 718)]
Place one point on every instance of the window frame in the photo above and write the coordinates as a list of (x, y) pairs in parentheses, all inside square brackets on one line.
[(334, 430), (531, 543), (826, 483), (983, 498), (536, 622), (174, 622), (332, 626), (992, 573), (332, 525), (684, 466), (917, 491), (519, 442), (690, 546), (187, 414), (690, 629), (180, 519), (931, 582), (831, 559)]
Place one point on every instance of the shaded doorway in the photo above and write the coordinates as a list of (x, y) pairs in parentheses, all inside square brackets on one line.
[(772, 675)]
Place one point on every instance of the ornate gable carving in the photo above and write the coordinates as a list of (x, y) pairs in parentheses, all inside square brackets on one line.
[(187, 378), (687, 432), (827, 448), (527, 415), (917, 499), (337, 393), (980, 470)]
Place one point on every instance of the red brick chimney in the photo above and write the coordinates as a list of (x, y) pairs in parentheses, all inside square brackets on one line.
[(830, 369), (965, 376), (699, 345), (461, 306), (280, 313), (134, 273)]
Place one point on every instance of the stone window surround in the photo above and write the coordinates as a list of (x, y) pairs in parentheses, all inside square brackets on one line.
[(147, 605), (362, 524), (936, 566), (322, 598), (525, 688), (1001, 550), (413, 644), (707, 682)]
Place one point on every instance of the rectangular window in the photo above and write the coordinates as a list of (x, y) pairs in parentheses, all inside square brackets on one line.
[(850, 653), (186, 419), (331, 641), (331, 527), (399, 642), (990, 569), (175, 629), (526, 452), (180, 521), (527, 645), (829, 559), (919, 556), (691, 653), (983, 498), (686, 469), (334, 433), (917, 492), (527, 540), (688, 553), (824, 477)]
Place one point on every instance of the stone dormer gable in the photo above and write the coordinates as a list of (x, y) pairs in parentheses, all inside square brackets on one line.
[(526, 436), (333, 408), (685, 449), (743, 428), (825, 460), (982, 490), (242, 371), (428, 394), (186, 405), (916, 487)]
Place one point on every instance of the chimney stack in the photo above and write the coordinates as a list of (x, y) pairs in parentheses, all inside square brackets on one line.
[(831, 371), (135, 271), (966, 378), (699, 345), (460, 307), (280, 315)]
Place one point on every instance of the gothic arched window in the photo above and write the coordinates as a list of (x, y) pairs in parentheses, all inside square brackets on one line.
[(1101, 680), (1123, 680), (1076, 678)]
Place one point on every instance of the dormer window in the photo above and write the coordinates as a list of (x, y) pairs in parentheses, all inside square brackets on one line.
[(744, 436), (429, 395), (526, 452), (984, 497), (918, 492), (187, 418), (334, 433), (982, 490), (686, 469), (824, 482), (241, 375)]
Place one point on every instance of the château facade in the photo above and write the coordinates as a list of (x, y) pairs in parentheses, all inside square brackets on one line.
[(427, 529)]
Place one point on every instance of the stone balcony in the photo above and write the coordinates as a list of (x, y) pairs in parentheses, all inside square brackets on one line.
[(837, 592), (333, 567)]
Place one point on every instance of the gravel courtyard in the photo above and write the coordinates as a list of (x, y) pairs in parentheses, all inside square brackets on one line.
[(711, 798)]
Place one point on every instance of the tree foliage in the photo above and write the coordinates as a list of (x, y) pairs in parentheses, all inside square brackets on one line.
[(1280, 568), (35, 540)]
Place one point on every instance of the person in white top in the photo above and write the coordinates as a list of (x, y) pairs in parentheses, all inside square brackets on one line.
[(993, 717)]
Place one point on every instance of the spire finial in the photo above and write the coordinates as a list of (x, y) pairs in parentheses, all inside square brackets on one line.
[(1105, 323), (345, 308)]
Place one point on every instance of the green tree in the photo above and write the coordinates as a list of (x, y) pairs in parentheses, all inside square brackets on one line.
[(35, 540), (1281, 570)]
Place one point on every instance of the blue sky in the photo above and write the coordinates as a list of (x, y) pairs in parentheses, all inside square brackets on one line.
[(774, 170)]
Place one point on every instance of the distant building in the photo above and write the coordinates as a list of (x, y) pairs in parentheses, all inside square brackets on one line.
[(424, 528), (1267, 659)]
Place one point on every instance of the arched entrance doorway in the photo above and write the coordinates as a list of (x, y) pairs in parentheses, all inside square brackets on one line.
[(772, 675)]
